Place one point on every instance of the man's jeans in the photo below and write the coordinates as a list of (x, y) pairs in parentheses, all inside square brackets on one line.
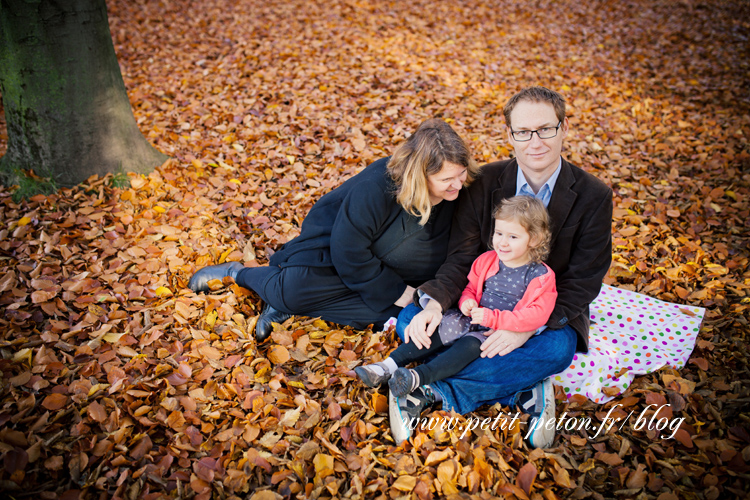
[(501, 378)]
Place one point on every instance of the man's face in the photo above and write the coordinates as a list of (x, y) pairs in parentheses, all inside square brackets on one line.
[(537, 157)]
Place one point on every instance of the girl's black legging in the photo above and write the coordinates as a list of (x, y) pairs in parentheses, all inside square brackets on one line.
[(445, 362)]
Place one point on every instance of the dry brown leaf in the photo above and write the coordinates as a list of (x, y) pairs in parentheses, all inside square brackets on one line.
[(437, 457), (278, 355), (405, 483), (526, 476), (101, 336), (55, 401)]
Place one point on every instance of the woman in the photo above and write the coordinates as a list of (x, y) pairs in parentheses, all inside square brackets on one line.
[(365, 245)]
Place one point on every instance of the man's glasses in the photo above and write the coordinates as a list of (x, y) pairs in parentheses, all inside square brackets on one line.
[(542, 133)]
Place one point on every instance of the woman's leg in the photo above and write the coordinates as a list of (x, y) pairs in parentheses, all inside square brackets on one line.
[(312, 291), (261, 280)]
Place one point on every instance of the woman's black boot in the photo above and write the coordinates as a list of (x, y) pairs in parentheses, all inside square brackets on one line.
[(264, 325), (199, 281)]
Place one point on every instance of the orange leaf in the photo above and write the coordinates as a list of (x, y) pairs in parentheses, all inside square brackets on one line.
[(97, 412), (42, 296), (562, 478), (278, 355), (654, 398), (436, 457), (379, 403), (526, 477), (684, 438), (347, 355), (55, 401), (608, 458), (405, 483), (637, 478), (448, 473), (700, 363)]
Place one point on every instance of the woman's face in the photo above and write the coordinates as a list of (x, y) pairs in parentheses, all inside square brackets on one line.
[(446, 184)]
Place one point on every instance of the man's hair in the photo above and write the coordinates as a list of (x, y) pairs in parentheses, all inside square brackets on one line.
[(536, 94), (532, 216), (424, 154)]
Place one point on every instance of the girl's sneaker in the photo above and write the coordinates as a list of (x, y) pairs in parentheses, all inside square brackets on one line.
[(403, 382), (373, 377)]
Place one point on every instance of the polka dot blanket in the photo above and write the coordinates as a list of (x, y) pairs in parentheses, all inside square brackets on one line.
[(631, 334)]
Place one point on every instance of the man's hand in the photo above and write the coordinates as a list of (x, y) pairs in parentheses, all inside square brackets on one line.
[(423, 325), (467, 306), (501, 342), (477, 315), (406, 297)]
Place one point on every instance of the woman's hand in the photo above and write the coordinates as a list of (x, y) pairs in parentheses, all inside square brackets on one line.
[(423, 325), (501, 342), (467, 306), (406, 297), (477, 315)]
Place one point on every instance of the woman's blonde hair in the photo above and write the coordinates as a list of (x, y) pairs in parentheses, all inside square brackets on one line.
[(424, 154), (530, 214)]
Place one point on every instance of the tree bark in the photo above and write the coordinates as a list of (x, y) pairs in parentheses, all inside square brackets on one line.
[(66, 108)]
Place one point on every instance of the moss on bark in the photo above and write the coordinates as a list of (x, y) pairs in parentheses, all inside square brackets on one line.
[(67, 111)]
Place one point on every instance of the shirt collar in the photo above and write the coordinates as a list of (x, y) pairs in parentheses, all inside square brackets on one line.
[(523, 185)]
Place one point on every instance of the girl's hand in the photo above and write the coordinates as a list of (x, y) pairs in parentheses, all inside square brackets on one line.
[(467, 306), (477, 315)]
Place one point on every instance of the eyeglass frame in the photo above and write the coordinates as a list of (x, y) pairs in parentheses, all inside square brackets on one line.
[(531, 132)]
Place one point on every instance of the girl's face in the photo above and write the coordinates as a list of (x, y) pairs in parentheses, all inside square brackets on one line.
[(511, 242), (446, 184)]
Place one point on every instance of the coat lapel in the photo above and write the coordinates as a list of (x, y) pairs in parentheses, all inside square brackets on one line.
[(506, 184), (563, 198)]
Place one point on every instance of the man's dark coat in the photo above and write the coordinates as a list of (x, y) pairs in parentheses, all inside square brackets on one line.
[(580, 212)]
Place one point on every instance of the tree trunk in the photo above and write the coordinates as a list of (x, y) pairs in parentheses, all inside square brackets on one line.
[(66, 108)]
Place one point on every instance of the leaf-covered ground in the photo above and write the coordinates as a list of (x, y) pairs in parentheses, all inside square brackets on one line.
[(118, 382)]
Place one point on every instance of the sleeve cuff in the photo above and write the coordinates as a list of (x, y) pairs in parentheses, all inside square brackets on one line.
[(423, 299)]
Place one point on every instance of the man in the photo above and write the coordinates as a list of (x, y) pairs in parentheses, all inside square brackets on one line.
[(515, 367)]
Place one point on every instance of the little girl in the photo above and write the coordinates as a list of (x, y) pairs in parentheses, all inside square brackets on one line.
[(510, 288)]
